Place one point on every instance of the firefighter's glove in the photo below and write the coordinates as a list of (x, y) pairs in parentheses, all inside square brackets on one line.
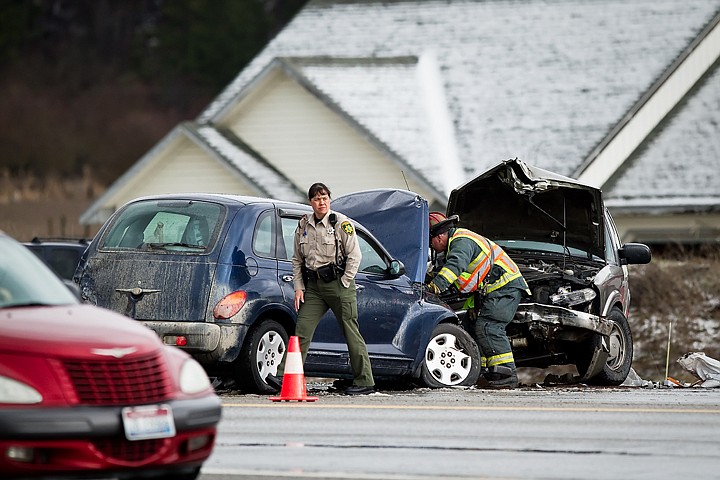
[(433, 288)]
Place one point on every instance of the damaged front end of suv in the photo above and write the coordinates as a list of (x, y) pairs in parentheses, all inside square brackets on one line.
[(565, 243)]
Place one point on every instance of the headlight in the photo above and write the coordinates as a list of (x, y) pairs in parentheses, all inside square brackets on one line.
[(567, 298), (12, 391), (193, 378)]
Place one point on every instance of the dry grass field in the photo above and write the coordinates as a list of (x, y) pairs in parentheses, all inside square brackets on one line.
[(46, 208)]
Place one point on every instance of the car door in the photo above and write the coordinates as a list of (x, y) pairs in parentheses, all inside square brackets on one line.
[(384, 302)]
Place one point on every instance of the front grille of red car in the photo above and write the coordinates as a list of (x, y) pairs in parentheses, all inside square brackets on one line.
[(118, 381), (127, 451)]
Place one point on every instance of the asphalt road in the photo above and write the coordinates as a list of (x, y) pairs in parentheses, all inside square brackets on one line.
[(529, 433)]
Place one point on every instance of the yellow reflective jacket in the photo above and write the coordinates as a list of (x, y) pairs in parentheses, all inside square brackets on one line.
[(488, 253)]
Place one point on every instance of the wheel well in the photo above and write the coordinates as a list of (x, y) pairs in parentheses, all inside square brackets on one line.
[(280, 316), (613, 300)]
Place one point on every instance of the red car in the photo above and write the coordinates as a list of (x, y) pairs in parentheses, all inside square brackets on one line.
[(84, 390)]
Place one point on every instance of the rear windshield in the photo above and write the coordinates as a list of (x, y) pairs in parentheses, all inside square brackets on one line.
[(165, 226)]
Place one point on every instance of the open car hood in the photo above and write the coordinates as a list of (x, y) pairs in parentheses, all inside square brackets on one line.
[(515, 201), (398, 218)]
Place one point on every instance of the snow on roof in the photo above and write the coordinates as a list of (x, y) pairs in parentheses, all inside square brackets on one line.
[(680, 164), (539, 80), (392, 82), (262, 175)]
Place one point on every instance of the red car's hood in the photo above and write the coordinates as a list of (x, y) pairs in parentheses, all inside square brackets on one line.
[(74, 331)]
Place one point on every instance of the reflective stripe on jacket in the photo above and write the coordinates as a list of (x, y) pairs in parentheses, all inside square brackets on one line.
[(478, 269)]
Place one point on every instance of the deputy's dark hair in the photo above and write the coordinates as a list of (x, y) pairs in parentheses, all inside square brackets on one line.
[(316, 188)]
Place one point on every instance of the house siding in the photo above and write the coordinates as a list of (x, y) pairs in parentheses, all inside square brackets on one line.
[(308, 142), (183, 166)]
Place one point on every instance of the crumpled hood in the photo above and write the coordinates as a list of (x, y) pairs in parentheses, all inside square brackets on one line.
[(515, 201), (398, 218)]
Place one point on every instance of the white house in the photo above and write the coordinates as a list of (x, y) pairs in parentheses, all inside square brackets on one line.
[(426, 94)]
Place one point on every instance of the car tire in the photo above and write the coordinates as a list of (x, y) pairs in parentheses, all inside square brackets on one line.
[(260, 356), (451, 358), (620, 345)]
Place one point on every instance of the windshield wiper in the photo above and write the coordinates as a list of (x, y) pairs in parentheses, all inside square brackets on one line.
[(175, 244)]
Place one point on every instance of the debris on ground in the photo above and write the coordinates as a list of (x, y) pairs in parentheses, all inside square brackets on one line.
[(703, 367), (564, 379), (634, 380)]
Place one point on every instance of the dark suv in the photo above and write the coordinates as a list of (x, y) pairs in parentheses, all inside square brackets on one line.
[(564, 240), (212, 275), (61, 254)]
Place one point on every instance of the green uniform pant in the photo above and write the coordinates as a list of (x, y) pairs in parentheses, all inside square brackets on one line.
[(319, 297), (493, 316)]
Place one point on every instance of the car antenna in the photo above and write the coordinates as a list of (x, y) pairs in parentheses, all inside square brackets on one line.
[(406, 182)]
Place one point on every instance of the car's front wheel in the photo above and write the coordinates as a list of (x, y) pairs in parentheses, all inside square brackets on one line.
[(620, 352), (451, 358), (260, 356)]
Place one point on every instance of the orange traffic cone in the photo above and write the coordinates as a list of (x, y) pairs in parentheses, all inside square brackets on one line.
[(293, 381)]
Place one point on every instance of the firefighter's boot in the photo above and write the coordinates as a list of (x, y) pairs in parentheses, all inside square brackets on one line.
[(501, 376)]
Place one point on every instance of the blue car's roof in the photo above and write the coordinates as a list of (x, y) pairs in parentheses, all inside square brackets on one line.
[(224, 199)]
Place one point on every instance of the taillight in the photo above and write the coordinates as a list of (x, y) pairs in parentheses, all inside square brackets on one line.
[(230, 305)]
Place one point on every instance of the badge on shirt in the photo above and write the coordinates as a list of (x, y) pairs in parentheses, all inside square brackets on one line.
[(347, 228)]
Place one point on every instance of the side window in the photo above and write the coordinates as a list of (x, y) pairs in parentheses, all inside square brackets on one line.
[(288, 225), (372, 259), (263, 239)]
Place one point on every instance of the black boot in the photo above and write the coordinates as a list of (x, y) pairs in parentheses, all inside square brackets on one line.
[(501, 376), (482, 381)]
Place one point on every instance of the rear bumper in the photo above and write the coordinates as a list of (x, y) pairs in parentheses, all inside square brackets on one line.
[(207, 342)]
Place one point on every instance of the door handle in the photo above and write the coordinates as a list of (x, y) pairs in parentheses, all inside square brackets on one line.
[(287, 278), (359, 288)]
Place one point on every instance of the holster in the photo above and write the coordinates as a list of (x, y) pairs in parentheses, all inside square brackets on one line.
[(327, 273), (304, 274)]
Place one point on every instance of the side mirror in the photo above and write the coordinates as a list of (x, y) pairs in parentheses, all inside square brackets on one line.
[(397, 268), (635, 253)]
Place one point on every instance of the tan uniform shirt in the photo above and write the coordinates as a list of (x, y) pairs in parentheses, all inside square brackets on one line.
[(315, 246)]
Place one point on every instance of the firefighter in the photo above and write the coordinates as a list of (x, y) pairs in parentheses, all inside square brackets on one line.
[(477, 265)]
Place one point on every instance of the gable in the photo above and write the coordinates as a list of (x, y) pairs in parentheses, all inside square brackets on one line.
[(419, 127), (309, 139)]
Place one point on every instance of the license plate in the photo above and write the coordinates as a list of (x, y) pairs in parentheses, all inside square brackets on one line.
[(148, 421)]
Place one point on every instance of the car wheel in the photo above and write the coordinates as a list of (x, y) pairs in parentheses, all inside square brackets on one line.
[(451, 358), (620, 352), (260, 356)]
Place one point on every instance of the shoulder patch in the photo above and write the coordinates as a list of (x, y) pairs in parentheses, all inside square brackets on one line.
[(347, 228)]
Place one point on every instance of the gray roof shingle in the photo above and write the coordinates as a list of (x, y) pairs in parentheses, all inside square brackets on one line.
[(679, 166), (540, 80)]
